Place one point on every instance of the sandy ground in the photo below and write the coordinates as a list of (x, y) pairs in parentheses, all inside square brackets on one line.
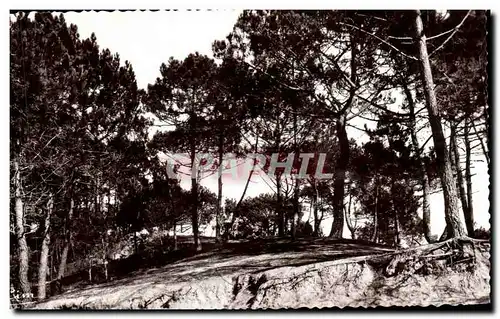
[(281, 273)]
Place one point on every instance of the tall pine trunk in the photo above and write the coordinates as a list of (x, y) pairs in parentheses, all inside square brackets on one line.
[(483, 147), (397, 230), (175, 235), (296, 184), (194, 195), (452, 214), (279, 205), (422, 171), (136, 248), (315, 205), (286, 223), (348, 215), (343, 159), (317, 221), (219, 190), (171, 206), (67, 241), (23, 253), (279, 208), (397, 227), (469, 217), (339, 179), (44, 252), (455, 161), (426, 206), (295, 219), (375, 216)]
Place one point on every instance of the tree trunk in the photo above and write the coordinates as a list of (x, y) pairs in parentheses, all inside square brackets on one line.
[(444, 235), (397, 237), (67, 241), (343, 159), (171, 204), (422, 171), (455, 164), (194, 194), (135, 243), (469, 217), (452, 215), (455, 161), (44, 252), (286, 224), (106, 269), (483, 147), (175, 236), (97, 203), (219, 190), (295, 218), (21, 236), (90, 270), (296, 185), (279, 208), (375, 217), (51, 267), (105, 254), (236, 208), (397, 230), (426, 207), (279, 205), (315, 203), (339, 179), (351, 227)]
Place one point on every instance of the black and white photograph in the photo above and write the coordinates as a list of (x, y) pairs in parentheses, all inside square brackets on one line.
[(236, 159)]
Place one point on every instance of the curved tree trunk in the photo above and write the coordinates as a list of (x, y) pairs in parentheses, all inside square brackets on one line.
[(23, 255), (44, 252), (236, 208), (452, 214)]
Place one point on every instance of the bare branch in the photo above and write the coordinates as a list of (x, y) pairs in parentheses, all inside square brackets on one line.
[(451, 35), (380, 39)]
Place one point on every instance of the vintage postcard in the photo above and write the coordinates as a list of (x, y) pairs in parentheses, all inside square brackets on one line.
[(249, 159)]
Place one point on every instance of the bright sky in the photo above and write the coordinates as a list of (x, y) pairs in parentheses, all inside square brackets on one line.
[(147, 39)]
